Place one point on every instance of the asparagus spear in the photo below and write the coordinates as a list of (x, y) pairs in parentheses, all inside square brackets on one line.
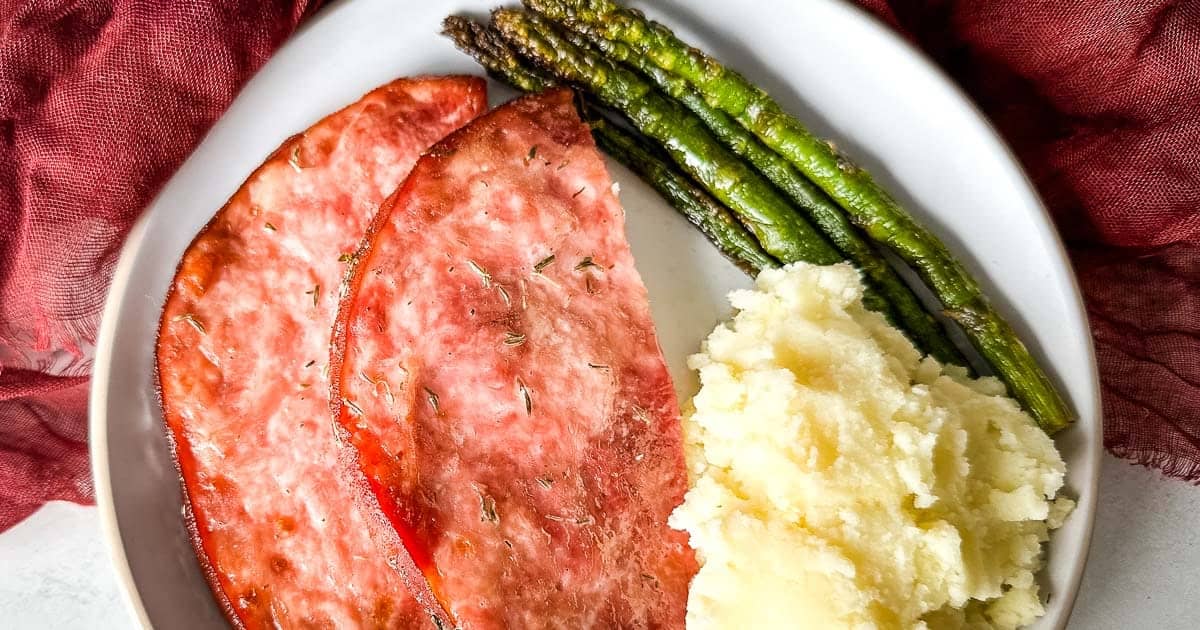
[(491, 52), (780, 230), (821, 210), (783, 233), (706, 213), (702, 210), (867, 204)]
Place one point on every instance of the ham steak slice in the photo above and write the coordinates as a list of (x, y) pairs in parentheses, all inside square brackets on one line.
[(496, 368), (241, 359)]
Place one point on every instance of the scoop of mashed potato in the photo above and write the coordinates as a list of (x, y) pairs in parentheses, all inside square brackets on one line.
[(840, 480)]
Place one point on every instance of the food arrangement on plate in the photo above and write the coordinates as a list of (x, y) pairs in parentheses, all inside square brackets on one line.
[(410, 376)]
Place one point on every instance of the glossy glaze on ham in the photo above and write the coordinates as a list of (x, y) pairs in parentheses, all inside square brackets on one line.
[(496, 368), (242, 366)]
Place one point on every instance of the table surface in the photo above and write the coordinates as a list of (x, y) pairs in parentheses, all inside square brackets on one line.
[(1143, 572)]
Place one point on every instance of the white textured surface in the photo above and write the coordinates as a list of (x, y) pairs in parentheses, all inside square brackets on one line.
[(55, 573), (1144, 571)]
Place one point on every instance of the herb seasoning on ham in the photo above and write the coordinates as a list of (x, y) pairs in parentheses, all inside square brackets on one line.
[(496, 370), (281, 535)]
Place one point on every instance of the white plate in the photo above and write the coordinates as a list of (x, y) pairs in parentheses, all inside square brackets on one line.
[(847, 75)]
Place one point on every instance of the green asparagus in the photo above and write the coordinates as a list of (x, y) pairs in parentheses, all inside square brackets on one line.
[(782, 233), (780, 230), (706, 213), (701, 209), (821, 210), (485, 47), (867, 204)]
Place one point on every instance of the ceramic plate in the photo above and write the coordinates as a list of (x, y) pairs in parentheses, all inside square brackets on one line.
[(834, 66)]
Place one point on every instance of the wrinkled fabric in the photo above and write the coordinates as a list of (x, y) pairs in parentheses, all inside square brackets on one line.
[(1101, 101), (100, 102)]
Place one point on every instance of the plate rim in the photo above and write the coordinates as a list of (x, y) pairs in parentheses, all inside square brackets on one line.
[(122, 272), (110, 529)]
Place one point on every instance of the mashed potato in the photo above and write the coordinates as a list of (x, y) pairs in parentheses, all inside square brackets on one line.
[(839, 480)]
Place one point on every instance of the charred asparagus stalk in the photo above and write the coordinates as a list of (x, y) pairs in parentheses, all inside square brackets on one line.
[(706, 213), (870, 207), (781, 231), (821, 210)]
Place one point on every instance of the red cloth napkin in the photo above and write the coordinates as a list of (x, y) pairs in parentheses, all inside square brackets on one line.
[(1101, 101), (101, 101)]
